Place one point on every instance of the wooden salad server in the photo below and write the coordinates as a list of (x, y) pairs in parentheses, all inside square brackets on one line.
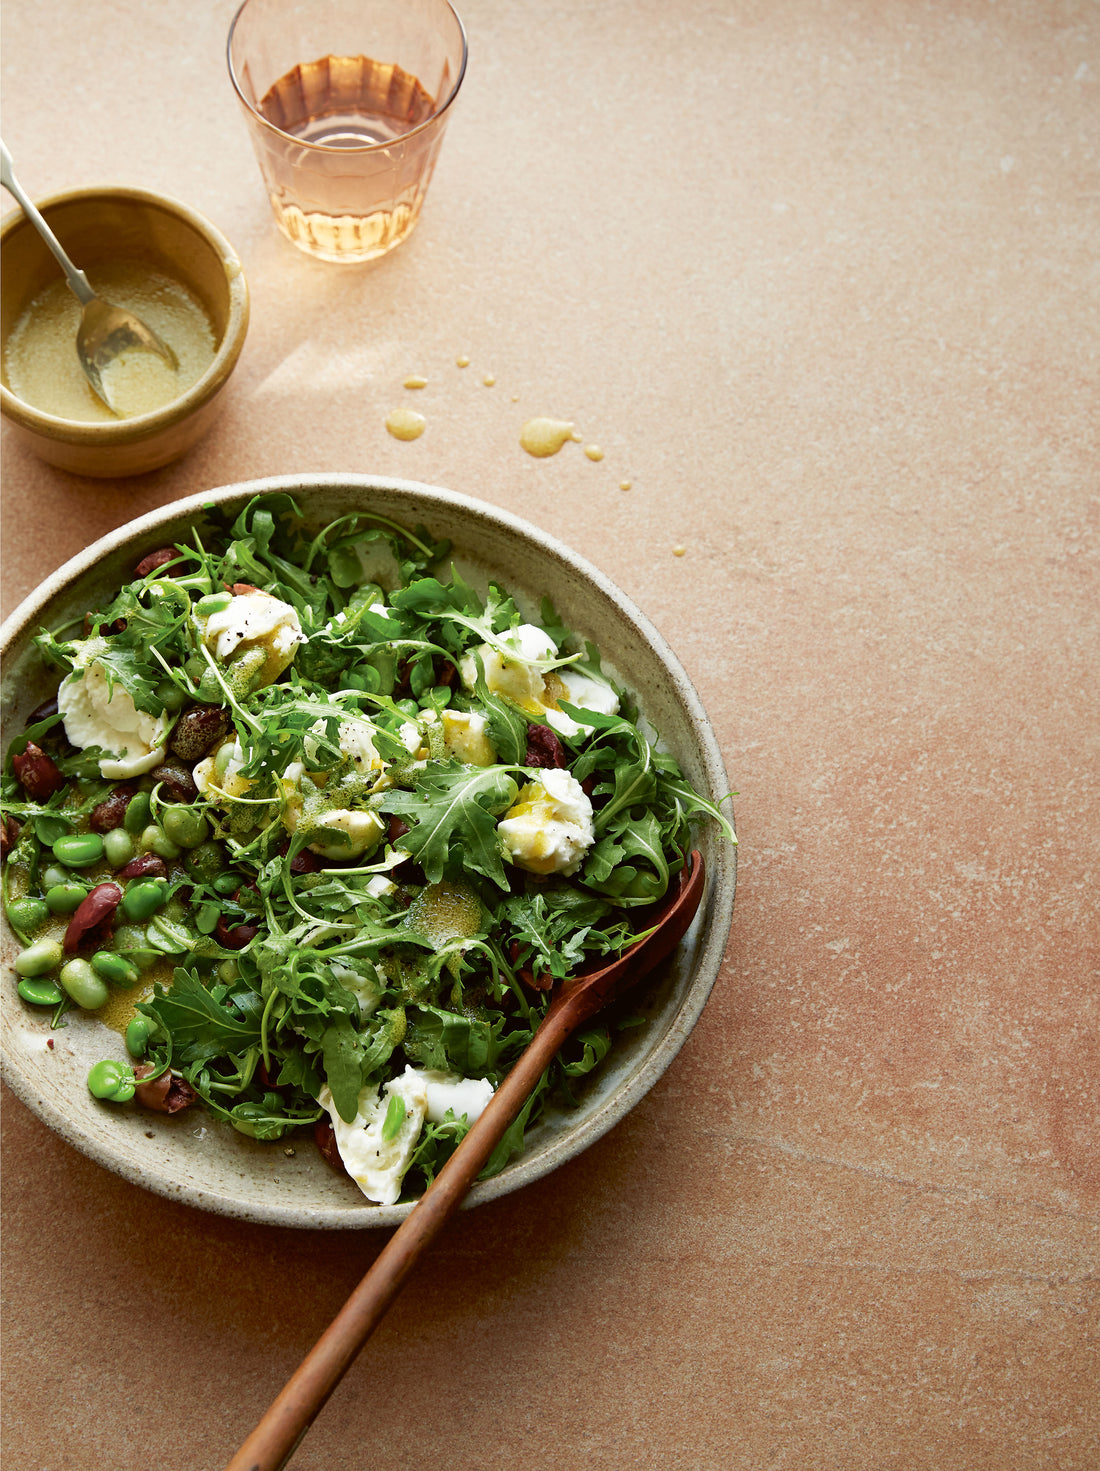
[(575, 1001)]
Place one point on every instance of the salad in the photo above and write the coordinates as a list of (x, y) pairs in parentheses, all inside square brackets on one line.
[(318, 826)]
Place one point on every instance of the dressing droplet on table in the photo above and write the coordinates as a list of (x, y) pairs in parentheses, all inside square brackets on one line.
[(415, 381), (542, 437), (406, 424)]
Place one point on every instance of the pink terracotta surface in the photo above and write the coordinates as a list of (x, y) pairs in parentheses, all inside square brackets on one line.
[(820, 279)]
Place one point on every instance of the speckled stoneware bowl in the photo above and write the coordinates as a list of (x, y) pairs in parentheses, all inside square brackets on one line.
[(111, 223), (195, 1159)]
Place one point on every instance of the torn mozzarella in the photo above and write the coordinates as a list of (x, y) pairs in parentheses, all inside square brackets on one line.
[(515, 678), (465, 735), (254, 620), (549, 827), (378, 1165), (584, 692), (362, 830), (97, 712)]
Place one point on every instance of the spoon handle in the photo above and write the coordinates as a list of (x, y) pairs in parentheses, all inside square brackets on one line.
[(292, 1412), (294, 1409), (77, 280)]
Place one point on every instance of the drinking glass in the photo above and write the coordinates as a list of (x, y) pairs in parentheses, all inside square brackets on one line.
[(347, 102)]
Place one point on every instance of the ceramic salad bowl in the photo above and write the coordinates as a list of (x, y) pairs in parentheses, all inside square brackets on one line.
[(191, 1156)]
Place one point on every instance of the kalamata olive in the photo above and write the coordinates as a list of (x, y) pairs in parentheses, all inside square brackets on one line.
[(235, 937), (9, 836), (197, 729), (160, 558), (109, 813), (145, 866), (544, 749), (37, 773), (324, 1136), (45, 711), (99, 905), (177, 779), (166, 1094), (118, 625)]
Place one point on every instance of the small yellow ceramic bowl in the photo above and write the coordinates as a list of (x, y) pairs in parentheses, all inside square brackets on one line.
[(106, 225)]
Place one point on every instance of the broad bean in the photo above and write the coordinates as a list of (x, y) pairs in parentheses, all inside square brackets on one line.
[(139, 1033), (137, 814), (184, 826), (112, 1081), (143, 898), (132, 941), (65, 898), (40, 991), (155, 840), (40, 958), (27, 914), (78, 850), (118, 847), (115, 968), (83, 985)]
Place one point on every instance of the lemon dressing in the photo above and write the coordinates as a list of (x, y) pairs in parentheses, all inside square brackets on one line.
[(40, 357)]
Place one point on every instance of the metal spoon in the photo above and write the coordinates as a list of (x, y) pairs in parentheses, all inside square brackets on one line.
[(575, 1001), (105, 331)]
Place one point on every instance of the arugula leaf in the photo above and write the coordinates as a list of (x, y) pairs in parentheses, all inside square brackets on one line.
[(200, 1024), (342, 1052), (595, 1044), (471, 1045), (452, 814)]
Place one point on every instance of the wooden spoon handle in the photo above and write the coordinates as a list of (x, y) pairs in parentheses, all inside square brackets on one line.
[(305, 1392), (296, 1407)]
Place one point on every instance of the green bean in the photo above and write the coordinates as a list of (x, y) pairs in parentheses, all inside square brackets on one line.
[(40, 992), (184, 826), (52, 875), (27, 914), (83, 985), (65, 898), (78, 850), (115, 967), (143, 898), (226, 883), (40, 958)]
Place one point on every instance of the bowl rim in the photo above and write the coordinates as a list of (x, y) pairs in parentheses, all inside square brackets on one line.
[(715, 916), (112, 432)]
